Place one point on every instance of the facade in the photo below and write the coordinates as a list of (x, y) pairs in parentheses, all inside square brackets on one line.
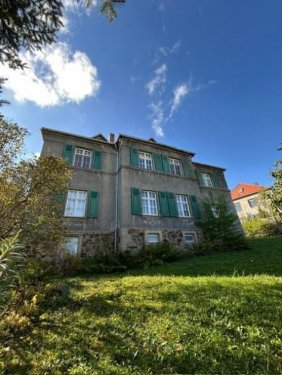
[(246, 200), (130, 192)]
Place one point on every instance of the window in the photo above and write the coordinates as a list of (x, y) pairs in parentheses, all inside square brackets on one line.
[(174, 166), (71, 245), (252, 202), (189, 238), (207, 179), (238, 207), (153, 238), (149, 203), (145, 160), (182, 206), (215, 211), (76, 203), (82, 158)]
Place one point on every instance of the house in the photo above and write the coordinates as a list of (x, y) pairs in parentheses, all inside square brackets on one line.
[(129, 192), (246, 200)]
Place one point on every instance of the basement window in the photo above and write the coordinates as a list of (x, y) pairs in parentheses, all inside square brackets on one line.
[(153, 238), (71, 245), (189, 238)]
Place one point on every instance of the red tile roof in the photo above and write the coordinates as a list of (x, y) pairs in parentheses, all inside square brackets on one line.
[(243, 190)]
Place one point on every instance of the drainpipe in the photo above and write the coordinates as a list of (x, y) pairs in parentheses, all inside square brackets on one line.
[(116, 191)]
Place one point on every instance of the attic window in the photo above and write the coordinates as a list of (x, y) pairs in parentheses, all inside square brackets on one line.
[(241, 190)]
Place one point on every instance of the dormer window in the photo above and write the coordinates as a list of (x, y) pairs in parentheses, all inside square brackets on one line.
[(82, 158), (207, 179)]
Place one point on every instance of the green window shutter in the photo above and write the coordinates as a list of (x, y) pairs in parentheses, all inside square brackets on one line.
[(164, 209), (96, 160), (61, 200), (135, 201), (187, 169), (215, 180), (158, 162), (93, 201), (165, 164), (172, 204), (134, 157), (199, 177), (195, 207), (68, 154)]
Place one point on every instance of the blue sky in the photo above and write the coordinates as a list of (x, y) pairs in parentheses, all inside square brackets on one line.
[(201, 75)]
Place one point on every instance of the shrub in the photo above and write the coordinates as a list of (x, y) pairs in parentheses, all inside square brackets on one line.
[(258, 227)]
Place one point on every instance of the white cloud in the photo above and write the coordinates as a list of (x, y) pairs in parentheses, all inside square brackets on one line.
[(157, 118), (179, 94), (165, 51), (55, 75), (159, 79)]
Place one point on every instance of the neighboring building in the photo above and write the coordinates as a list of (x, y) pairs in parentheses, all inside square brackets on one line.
[(131, 192), (246, 200)]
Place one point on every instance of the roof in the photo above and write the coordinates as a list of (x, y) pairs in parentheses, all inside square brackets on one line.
[(100, 137), (158, 144), (208, 165), (243, 190)]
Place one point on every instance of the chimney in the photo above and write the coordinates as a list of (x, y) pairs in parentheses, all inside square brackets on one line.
[(111, 138)]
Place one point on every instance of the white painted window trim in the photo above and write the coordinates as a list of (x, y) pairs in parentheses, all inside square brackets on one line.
[(172, 163), (207, 179), (181, 202), (148, 160), (68, 208), (145, 197), (152, 231), (189, 233), (84, 153), (77, 251)]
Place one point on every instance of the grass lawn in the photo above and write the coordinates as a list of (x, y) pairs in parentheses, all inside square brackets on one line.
[(219, 314)]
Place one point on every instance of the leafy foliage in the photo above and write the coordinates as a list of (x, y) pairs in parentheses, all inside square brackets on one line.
[(259, 227), (32, 24), (11, 260), (28, 193), (221, 228), (274, 196)]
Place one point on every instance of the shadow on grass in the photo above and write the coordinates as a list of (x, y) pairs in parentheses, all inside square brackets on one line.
[(153, 326)]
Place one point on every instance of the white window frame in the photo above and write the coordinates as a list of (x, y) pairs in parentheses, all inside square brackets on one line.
[(149, 203), (157, 235), (182, 204), (193, 234), (215, 211), (74, 200), (84, 154), (145, 160), (174, 164), (207, 179), (76, 244)]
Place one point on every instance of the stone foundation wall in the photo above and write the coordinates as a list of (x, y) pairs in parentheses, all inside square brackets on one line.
[(97, 243), (135, 239)]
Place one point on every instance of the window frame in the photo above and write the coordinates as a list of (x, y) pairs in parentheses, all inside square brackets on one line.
[(190, 234), (149, 199), (83, 157), (206, 177), (147, 157), (153, 234), (254, 201), (172, 166), (68, 198), (66, 251), (182, 199), (238, 204)]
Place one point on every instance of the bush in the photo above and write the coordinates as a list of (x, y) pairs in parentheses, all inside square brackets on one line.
[(257, 227), (121, 261)]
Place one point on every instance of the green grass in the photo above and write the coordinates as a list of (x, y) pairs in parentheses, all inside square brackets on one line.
[(219, 314)]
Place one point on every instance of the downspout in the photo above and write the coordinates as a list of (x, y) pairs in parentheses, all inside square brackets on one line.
[(117, 195)]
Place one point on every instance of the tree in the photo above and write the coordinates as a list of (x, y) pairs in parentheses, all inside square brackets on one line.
[(29, 191), (221, 228), (274, 195), (32, 24)]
